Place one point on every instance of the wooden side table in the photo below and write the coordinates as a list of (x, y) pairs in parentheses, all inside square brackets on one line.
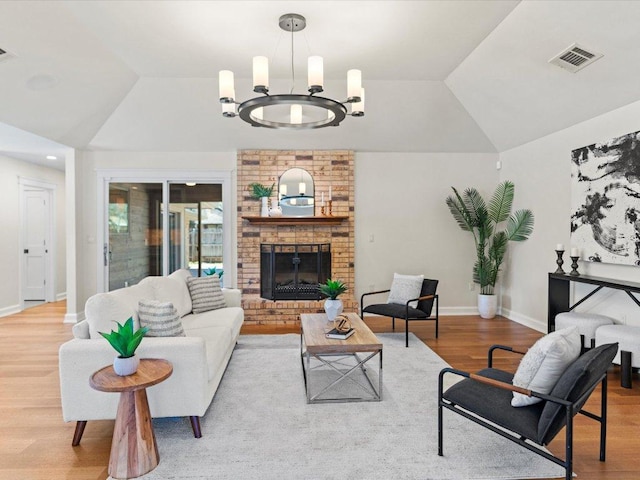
[(133, 449)]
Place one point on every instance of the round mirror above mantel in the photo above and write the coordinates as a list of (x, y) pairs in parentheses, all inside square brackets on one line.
[(296, 193)]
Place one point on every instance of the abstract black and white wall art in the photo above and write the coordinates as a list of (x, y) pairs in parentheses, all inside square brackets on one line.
[(605, 200)]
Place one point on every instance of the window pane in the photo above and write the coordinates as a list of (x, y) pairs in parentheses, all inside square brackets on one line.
[(196, 228), (135, 233)]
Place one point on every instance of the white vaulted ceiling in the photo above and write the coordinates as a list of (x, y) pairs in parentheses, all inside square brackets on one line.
[(441, 76)]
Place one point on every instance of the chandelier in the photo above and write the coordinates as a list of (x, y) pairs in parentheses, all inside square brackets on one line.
[(291, 110)]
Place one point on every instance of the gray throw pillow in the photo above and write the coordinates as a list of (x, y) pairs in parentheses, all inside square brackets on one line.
[(206, 293), (161, 318)]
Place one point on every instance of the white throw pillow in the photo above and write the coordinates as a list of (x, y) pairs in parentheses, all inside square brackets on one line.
[(544, 363), (161, 318), (405, 288), (206, 293)]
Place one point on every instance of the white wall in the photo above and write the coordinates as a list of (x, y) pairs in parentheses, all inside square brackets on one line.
[(541, 171), (10, 171), (400, 201), (87, 167)]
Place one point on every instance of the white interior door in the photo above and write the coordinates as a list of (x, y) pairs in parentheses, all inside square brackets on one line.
[(35, 244)]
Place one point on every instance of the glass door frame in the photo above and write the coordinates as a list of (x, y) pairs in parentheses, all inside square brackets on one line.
[(164, 177)]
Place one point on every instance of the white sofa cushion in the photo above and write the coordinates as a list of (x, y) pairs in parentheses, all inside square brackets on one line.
[(168, 289), (544, 363), (160, 318), (206, 294), (103, 309)]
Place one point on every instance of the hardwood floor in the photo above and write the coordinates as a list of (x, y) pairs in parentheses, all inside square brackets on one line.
[(35, 443)]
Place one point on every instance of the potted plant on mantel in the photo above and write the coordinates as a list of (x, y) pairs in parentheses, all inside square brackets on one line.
[(332, 305), (125, 341), (263, 193), (473, 215)]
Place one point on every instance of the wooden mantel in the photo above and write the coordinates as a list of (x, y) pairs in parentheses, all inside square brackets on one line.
[(323, 220)]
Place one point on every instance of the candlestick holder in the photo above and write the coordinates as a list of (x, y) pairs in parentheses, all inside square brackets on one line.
[(559, 261), (322, 211), (330, 208), (574, 267)]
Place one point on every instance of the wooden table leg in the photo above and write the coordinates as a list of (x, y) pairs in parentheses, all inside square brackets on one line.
[(133, 449)]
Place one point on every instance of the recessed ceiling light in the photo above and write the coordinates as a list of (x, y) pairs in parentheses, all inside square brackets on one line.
[(191, 184), (51, 157)]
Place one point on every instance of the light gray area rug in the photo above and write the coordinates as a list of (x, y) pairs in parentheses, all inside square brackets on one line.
[(259, 426)]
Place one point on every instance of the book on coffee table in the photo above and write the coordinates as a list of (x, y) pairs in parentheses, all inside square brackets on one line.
[(335, 334)]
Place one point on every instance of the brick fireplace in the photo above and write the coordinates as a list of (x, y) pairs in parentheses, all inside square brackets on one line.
[(328, 168)]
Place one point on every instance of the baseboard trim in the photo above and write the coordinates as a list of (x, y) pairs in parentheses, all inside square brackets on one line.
[(11, 310), (74, 317), (61, 296), (453, 311), (525, 320)]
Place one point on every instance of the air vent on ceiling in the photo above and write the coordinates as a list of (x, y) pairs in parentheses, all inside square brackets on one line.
[(575, 58)]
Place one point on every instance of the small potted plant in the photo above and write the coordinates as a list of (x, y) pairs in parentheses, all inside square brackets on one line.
[(332, 289), (125, 341), (263, 193)]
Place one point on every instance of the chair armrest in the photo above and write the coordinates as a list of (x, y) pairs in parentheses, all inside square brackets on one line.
[(500, 347), (369, 293), (498, 384)]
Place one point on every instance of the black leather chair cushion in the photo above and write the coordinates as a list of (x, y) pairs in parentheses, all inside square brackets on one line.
[(494, 404), (394, 310), (574, 382)]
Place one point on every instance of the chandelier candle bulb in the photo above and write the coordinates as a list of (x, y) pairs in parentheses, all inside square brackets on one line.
[(315, 73), (225, 78), (357, 108), (354, 85), (302, 188), (296, 114), (260, 74), (228, 109)]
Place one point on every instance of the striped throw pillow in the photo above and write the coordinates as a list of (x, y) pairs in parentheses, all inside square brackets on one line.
[(161, 318), (206, 293)]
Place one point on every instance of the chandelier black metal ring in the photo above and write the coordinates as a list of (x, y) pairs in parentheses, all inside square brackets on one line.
[(306, 111)]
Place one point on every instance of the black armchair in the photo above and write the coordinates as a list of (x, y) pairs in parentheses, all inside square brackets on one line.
[(423, 310), (485, 397)]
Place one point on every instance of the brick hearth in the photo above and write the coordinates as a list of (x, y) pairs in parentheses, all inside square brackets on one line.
[(328, 168)]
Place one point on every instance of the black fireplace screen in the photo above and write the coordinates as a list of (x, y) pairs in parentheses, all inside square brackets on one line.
[(293, 272)]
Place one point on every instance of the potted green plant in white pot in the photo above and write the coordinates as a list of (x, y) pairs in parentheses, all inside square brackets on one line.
[(263, 193), (473, 215), (332, 305), (125, 341)]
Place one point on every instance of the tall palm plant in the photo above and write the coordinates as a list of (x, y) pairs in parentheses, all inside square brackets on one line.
[(473, 215)]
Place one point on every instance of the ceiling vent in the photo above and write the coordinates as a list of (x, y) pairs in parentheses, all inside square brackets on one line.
[(575, 58)]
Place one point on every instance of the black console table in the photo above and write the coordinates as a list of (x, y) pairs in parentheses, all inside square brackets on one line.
[(559, 292)]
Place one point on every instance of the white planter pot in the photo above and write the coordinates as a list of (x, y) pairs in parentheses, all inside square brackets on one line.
[(126, 366), (487, 305), (264, 211), (333, 308)]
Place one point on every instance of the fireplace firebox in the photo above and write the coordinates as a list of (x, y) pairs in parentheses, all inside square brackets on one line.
[(293, 271)]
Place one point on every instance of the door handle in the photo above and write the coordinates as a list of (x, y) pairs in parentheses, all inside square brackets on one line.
[(26, 250)]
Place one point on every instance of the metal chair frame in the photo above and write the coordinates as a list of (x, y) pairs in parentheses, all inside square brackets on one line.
[(569, 407)]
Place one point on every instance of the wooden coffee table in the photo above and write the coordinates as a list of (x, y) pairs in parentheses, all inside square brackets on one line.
[(133, 449), (345, 358)]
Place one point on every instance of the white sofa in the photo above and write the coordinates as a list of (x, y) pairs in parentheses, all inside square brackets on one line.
[(199, 359)]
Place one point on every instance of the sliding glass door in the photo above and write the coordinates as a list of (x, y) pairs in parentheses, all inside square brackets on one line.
[(140, 240)]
